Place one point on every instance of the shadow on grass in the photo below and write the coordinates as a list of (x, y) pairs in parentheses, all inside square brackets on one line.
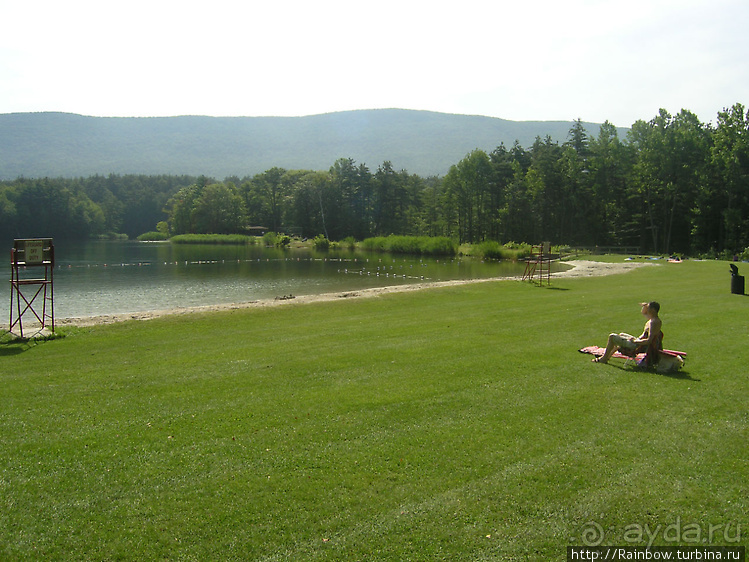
[(550, 288), (683, 375), (11, 344), (8, 348), (677, 375)]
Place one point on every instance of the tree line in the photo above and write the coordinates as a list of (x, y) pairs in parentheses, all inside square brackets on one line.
[(673, 185)]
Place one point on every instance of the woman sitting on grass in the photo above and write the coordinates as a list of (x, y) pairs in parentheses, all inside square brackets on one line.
[(651, 335)]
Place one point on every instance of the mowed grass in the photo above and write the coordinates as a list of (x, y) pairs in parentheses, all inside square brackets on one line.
[(456, 423)]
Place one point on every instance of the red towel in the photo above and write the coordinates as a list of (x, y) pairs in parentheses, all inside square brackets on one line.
[(599, 351)]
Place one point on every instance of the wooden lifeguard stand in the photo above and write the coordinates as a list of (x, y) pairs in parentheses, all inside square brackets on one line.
[(538, 265), (29, 257)]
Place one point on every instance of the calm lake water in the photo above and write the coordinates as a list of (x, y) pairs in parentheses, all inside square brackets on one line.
[(96, 278)]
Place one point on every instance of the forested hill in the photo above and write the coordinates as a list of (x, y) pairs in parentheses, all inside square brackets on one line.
[(37, 145)]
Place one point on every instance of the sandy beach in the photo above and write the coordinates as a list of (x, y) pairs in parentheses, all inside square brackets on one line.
[(580, 268)]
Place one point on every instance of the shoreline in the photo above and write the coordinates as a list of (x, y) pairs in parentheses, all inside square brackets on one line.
[(580, 268)]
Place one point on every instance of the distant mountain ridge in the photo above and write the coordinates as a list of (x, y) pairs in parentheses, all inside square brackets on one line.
[(421, 142)]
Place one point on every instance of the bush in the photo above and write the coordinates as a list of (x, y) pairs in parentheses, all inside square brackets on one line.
[(153, 236), (321, 243), (110, 236), (163, 227), (375, 244), (438, 246), (427, 245), (491, 249), (237, 239), (519, 249)]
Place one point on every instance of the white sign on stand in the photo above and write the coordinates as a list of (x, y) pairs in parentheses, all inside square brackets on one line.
[(34, 252)]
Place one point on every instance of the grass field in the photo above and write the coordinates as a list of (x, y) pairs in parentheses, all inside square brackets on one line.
[(447, 424)]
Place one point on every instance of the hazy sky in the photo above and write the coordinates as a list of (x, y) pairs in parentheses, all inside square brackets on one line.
[(520, 60)]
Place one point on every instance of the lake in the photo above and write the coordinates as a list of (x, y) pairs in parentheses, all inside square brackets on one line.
[(106, 277)]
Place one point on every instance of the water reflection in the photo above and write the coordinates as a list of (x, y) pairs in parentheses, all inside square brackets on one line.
[(97, 278)]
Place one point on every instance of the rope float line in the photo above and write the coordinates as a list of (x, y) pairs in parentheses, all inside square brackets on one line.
[(381, 270), (258, 260)]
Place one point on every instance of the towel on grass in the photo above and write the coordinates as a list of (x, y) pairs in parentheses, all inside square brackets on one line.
[(669, 360)]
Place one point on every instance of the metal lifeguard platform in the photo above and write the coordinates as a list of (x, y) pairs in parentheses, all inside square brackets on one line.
[(539, 264), (28, 259)]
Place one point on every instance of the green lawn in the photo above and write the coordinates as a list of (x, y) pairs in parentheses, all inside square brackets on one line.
[(455, 423)]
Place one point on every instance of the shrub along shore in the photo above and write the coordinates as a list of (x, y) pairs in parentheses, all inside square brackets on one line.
[(452, 423), (414, 245)]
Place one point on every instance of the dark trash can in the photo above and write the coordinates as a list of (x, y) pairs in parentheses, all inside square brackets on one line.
[(737, 281), (737, 284)]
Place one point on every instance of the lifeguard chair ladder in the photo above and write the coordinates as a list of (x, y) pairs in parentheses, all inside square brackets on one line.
[(29, 256), (538, 264)]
